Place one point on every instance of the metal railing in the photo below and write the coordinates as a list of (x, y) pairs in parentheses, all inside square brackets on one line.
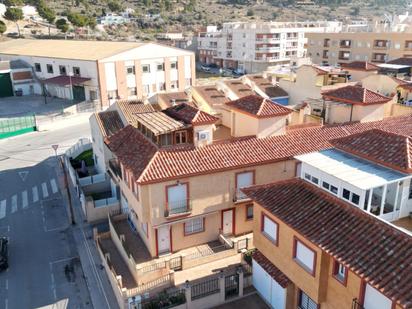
[(115, 167), (205, 288), (176, 263), (178, 207), (356, 304), (164, 300), (153, 267)]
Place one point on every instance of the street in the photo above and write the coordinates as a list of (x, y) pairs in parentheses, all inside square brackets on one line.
[(50, 259)]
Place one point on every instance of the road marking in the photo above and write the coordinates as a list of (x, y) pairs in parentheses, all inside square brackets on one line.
[(54, 185), (65, 260), (2, 209), (7, 284), (44, 189), (14, 203), (6, 301), (35, 192), (25, 200)]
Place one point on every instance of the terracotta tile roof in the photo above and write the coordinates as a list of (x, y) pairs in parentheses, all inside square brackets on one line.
[(211, 95), (360, 66), (109, 122), (271, 269), (176, 97), (132, 149), (177, 162), (385, 148), (371, 248), (239, 88), (190, 115), (130, 107), (355, 95), (267, 87), (401, 61), (158, 122), (259, 107)]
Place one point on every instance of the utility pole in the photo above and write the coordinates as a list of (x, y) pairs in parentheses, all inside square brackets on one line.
[(66, 184)]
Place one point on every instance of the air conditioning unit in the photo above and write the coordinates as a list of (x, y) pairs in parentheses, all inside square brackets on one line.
[(203, 135)]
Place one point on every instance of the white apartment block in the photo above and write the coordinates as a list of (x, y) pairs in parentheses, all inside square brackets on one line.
[(252, 47), (102, 71)]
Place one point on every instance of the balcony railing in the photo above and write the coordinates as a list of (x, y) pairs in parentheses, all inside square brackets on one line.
[(114, 166), (239, 196), (178, 208)]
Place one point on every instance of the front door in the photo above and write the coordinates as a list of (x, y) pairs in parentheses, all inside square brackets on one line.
[(228, 222), (163, 239), (79, 94)]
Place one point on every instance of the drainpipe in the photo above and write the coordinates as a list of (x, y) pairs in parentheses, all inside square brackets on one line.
[(351, 113)]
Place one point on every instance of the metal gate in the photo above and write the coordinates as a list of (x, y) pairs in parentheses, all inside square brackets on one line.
[(17, 125), (6, 87), (79, 94), (231, 286), (176, 263)]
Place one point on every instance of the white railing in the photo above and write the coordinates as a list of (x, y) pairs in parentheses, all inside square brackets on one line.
[(82, 145), (92, 179), (105, 202)]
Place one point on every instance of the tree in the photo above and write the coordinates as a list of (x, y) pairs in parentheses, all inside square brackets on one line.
[(46, 13), (11, 3), (250, 12), (91, 22), (77, 19), (114, 6), (14, 14), (62, 25), (3, 27)]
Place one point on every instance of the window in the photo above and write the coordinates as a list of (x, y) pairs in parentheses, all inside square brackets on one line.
[(315, 180), (93, 95), (194, 226), (325, 185), (112, 94), (146, 68), (181, 137), (174, 84), (249, 211), (145, 229), (329, 187), (305, 302), (160, 67), (270, 229), (146, 89), (162, 86), (62, 70), (188, 82), (173, 65), (307, 176), (76, 71), (243, 180), (333, 189), (49, 68), (350, 196), (177, 198), (340, 272), (130, 70), (304, 256), (132, 91), (37, 67)]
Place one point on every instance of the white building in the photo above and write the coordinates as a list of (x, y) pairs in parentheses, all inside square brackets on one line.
[(253, 47), (113, 19), (103, 71)]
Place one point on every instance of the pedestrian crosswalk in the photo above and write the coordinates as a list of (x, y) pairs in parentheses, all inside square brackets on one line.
[(26, 198)]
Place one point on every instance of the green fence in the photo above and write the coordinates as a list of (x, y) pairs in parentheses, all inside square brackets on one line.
[(17, 125)]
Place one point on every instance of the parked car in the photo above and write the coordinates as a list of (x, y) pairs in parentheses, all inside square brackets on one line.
[(238, 72), (205, 68), (4, 261), (408, 103)]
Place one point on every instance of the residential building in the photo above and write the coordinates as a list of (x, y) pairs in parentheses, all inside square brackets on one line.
[(317, 250), (264, 87), (113, 19), (17, 79), (253, 46), (335, 48), (358, 70), (357, 185), (103, 71)]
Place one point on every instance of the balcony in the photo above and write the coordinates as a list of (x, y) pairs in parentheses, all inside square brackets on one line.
[(268, 40), (114, 168), (268, 49), (345, 44), (178, 208), (239, 196)]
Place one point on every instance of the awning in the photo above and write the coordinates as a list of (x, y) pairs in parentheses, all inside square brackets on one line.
[(64, 80)]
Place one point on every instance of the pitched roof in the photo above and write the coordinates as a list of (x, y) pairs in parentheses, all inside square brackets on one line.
[(267, 87), (371, 248), (355, 95), (360, 66), (239, 88), (385, 148), (190, 115), (401, 61), (66, 49), (158, 122), (109, 122), (132, 149), (177, 162), (271, 269), (259, 107), (174, 97), (131, 107), (211, 95)]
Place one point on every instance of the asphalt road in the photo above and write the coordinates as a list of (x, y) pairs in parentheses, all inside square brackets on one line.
[(50, 260)]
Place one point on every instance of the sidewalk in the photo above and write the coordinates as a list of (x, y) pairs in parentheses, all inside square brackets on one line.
[(98, 284)]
